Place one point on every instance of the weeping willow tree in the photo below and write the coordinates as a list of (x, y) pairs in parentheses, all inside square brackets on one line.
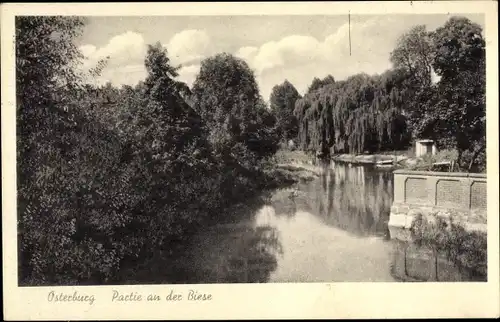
[(362, 113)]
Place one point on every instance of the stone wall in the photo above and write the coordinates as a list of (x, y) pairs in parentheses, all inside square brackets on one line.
[(461, 196)]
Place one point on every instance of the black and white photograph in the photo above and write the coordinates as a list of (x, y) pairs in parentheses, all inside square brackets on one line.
[(199, 155), (235, 149)]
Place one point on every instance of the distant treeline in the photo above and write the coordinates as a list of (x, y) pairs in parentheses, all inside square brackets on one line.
[(435, 90)]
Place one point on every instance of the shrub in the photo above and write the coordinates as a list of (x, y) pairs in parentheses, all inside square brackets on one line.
[(466, 249)]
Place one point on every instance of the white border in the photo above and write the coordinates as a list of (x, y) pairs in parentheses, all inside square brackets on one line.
[(253, 301)]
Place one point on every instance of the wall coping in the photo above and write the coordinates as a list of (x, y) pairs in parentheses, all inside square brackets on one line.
[(440, 174)]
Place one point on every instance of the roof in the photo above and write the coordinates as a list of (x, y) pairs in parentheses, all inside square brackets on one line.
[(425, 141)]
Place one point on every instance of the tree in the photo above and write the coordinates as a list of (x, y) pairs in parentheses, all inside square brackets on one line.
[(458, 46), (43, 66), (64, 231), (413, 57), (318, 83), (358, 114), (169, 151), (328, 80), (456, 112), (76, 226), (282, 100), (226, 95), (176, 125), (413, 53)]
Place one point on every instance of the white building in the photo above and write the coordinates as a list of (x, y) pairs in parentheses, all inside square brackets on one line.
[(423, 147)]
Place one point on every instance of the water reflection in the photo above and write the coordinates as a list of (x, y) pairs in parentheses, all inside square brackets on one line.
[(229, 252), (356, 199), (316, 252), (235, 255), (328, 229)]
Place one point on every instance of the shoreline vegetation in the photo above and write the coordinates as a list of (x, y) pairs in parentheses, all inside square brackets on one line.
[(391, 160)]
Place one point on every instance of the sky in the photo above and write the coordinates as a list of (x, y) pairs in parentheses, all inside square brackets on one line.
[(295, 48)]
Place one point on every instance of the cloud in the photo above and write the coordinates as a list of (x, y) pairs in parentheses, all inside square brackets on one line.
[(88, 50), (188, 74), (125, 48), (289, 50), (247, 53), (125, 55), (189, 46), (300, 58)]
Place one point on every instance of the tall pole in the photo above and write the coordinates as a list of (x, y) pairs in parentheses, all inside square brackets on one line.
[(349, 33)]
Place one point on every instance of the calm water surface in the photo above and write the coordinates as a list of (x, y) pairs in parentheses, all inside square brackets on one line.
[(331, 229)]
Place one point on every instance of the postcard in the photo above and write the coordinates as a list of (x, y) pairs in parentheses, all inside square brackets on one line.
[(250, 160)]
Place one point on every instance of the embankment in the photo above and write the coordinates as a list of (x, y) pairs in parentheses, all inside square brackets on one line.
[(439, 221)]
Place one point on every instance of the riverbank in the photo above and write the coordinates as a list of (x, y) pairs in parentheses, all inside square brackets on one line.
[(289, 167), (285, 174), (369, 158), (302, 158), (391, 160)]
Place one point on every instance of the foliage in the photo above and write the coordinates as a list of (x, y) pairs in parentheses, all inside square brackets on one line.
[(53, 138), (413, 53), (460, 112), (318, 83), (452, 111), (107, 176), (467, 249), (361, 113), (282, 101), (227, 97)]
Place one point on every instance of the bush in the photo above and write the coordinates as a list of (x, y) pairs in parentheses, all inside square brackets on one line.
[(476, 165)]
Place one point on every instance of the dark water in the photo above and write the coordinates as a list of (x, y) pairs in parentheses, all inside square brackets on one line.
[(330, 229)]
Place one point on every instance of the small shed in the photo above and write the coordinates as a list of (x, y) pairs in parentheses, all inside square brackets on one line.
[(423, 147)]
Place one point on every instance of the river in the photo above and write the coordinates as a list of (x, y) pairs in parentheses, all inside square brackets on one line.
[(330, 229)]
